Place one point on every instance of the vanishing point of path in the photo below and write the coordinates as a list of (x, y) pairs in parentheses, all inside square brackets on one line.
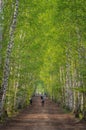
[(47, 117)]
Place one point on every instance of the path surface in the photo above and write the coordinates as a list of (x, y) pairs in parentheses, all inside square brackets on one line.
[(49, 117)]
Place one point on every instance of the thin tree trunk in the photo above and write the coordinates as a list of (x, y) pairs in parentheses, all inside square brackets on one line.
[(7, 60)]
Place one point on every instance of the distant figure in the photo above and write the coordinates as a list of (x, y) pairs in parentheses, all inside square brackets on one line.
[(30, 101), (43, 101), (41, 97)]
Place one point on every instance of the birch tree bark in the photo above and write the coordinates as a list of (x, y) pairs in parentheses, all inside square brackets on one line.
[(7, 59)]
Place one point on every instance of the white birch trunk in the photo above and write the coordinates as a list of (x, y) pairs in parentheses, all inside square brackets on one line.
[(7, 60), (80, 60)]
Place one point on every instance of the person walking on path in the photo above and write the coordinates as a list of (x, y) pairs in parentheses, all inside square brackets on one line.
[(30, 101), (43, 99)]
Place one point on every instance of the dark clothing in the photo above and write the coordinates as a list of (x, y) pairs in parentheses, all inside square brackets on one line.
[(31, 101), (41, 97), (43, 102)]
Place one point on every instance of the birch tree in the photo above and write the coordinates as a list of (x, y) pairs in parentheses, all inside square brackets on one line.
[(7, 59)]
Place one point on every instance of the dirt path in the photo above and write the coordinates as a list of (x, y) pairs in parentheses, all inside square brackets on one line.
[(49, 117)]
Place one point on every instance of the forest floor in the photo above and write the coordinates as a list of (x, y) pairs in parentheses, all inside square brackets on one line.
[(47, 117)]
